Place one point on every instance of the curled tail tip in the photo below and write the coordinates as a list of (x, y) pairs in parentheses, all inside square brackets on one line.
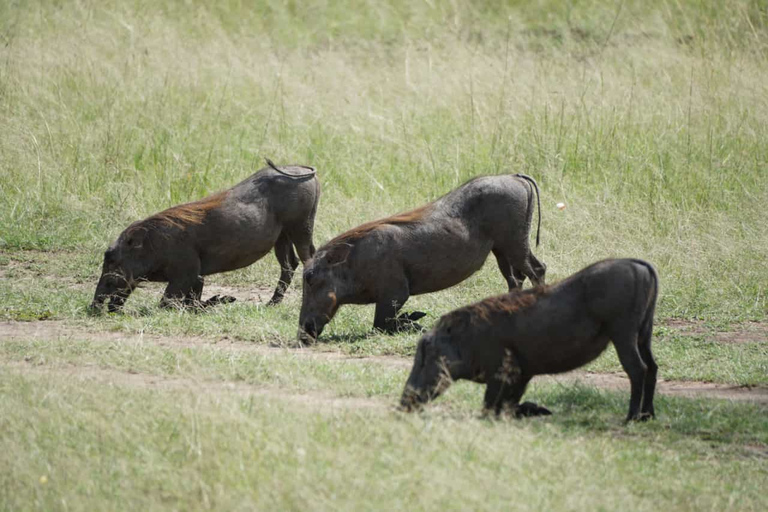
[(312, 171)]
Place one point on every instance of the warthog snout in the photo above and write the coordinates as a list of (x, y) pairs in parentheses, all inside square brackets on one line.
[(309, 332), (412, 400), (112, 287)]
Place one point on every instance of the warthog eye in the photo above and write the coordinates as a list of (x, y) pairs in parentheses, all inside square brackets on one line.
[(309, 276)]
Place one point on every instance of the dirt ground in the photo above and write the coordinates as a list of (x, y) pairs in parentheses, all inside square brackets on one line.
[(58, 330), (323, 402), (744, 332), (34, 265)]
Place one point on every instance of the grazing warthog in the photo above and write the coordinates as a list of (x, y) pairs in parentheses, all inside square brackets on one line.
[(424, 250), (275, 207), (504, 341)]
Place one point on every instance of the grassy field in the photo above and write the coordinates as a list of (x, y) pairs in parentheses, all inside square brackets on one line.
[(649, 119)]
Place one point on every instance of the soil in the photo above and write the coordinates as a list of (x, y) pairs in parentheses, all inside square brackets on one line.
[(316, 399), (742, 332), (691, 389), (58, 330), (36, 265), (33, 265)]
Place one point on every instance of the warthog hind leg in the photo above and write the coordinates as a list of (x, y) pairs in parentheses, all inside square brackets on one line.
[(517, 264), (513, 278), (539, 268), (301, 236), (288, 263), (625, 341), (644, 346)]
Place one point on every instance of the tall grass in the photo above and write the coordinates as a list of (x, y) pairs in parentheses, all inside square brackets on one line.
[(648, 119), (106, 440)]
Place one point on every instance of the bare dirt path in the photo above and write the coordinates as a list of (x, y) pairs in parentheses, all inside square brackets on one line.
[(326, 402), (36, 265), (690, 389), (742, 332), (58, 330), (55, 329)]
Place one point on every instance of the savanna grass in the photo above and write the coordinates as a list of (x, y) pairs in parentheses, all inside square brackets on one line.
[(97, 443), (646, 118)]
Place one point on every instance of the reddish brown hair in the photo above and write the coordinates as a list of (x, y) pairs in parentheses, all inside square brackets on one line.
[(187, 214), (358, 232), (408, 217), (506, 304)]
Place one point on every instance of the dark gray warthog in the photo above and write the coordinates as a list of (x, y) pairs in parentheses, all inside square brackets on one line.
[(424, 250), (275, 207), (504, 341)]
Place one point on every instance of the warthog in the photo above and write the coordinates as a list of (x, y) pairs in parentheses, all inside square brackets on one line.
[(424, 250), (504, 341), (275, 207)]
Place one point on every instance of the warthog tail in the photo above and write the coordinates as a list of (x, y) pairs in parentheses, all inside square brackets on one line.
[(538, 201), (312, 170), (647, 324)]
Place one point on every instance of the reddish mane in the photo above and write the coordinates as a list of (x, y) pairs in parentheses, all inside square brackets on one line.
[(187, 214), (507, 304), (358, 232)]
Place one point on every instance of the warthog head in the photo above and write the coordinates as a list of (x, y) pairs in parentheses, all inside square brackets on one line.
[(437, 364), (327, 278), (128, 261)]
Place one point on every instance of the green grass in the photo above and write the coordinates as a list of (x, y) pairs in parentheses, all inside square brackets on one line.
[(25, 297), (98, 436), (647, 118), (117, 446), (576, 406)]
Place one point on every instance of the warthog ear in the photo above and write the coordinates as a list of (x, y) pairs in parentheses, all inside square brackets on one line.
[(338, 254), (457, 321), (135, 239)]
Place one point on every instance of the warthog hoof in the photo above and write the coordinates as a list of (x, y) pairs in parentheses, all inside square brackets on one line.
[(528, 409), (642, 416), (218, 299), (92, 310), (406, 322)]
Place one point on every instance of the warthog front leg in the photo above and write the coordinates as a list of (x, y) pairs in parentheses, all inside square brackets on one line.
[(117, 300), (407, 321), (216, 300), (528, 409), (386, 317), (506, 387), (185, 291), (182, 292)]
